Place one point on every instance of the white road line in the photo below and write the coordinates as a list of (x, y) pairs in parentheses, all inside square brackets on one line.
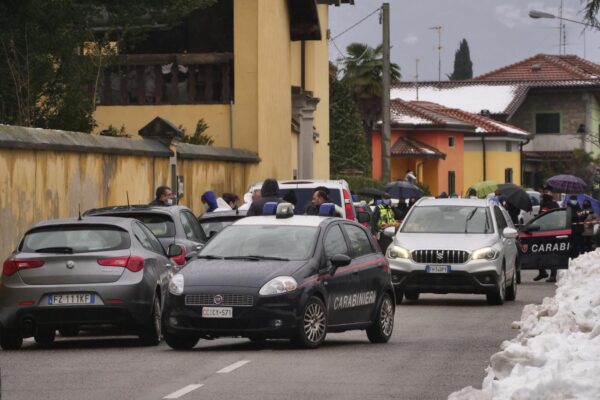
[(183, 391), (233, 367)]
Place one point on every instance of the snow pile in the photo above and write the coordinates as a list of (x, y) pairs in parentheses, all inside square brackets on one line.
[(557, 353)]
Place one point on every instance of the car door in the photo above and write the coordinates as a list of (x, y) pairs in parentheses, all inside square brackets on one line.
[(365, 269), (155, 261), (193, 233), (544, 241), (338, 283), (503, 220)]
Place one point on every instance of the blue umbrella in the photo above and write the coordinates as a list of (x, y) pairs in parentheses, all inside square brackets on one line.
[(581, 198), (567, 184)]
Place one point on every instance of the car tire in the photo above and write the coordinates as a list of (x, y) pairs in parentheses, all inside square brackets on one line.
[(399, 296), (518, 270), (151, 331), (10, 340), (181, 341), (511, 290), (383, 326), (313, 324), (410, 295), (497, 298), (45, 336), (69, 331)]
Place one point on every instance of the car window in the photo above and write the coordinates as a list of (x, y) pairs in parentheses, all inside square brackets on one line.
[(500, 219), (552, 220), (156, 246), (448, 219), (303, 196), (141, 236), (191, 228), (75, 239), (359, 241), (335, 243), (160, 224)]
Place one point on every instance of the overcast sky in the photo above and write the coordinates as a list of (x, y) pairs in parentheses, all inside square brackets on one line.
[(499, 32)]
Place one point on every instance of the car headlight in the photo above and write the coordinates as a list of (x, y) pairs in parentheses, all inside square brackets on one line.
[(398, 252), (487, 253), (279, 285), (176, 284)]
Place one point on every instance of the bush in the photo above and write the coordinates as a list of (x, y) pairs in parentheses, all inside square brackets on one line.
[(360, 182)]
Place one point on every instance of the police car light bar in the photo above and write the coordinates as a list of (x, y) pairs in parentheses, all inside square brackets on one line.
[(327, 210), (284, 210), (269, 208)]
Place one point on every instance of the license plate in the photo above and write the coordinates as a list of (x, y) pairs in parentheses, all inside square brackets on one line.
[(71, 298), (437, 269), (217, 312)]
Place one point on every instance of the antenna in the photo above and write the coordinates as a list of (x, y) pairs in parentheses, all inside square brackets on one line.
[(561, 27), (79, 206), (417, 78), (127, 193), (439, 48)]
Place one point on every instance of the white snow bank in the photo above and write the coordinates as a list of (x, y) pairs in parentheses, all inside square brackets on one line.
[(557, 353)]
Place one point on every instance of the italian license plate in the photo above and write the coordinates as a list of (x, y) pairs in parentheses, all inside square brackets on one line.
[(217, 312), (71, 298), (437, 269)]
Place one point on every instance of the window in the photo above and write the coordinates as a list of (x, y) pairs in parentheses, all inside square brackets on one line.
[(141, 236), (75, 239), (509, 146), (547, 123), (552, 220), (448, 219), (191, 227), (450, 141), (156, 246), (508, 175), (335, 242), (500, 221), (359, 241), (451, 182)]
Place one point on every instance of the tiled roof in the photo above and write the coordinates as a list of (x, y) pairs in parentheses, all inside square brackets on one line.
[(409, 147), (545, 67), (547, 155), (424, 113)]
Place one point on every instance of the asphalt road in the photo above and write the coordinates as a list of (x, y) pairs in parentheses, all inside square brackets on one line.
[(441, 343)]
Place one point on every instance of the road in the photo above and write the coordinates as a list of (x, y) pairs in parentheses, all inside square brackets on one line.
[(441, 343)]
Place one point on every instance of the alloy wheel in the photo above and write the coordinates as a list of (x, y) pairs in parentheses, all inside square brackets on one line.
[(314, 322), (386, 317)]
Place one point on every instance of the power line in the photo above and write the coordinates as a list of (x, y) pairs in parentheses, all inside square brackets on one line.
[(337, 48), (355, 25)]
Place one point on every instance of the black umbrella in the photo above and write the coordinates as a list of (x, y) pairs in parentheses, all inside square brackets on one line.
[(372, 192), (403, 190), (516, 196)]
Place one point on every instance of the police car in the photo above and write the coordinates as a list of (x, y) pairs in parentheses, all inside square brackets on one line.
[(282, 276)]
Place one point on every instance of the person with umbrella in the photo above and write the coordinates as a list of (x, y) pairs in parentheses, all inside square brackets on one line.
[(547, 203), (576, 245)]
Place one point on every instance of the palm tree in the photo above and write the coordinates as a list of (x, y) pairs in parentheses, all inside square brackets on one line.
[(590, 11), (363, 69)]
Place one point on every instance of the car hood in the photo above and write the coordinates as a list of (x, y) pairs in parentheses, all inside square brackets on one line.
[(242, 273), (444, 241)]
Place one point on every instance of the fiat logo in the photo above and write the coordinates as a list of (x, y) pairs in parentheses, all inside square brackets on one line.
[(218, 299), (439, 255), (70, 264)]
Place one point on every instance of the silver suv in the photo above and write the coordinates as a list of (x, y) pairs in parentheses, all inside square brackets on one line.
[(455, 246)]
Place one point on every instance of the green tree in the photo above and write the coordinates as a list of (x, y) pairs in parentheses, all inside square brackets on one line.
[(363, 71), (199, 137), (463, 66), (45, 81), (347, 147), (590, 11), (581, 164)]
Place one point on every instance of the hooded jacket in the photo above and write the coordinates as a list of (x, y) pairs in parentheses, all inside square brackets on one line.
[(210, 199), (269, 193)]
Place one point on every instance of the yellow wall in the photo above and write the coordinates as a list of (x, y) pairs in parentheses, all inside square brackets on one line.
[(473, 172), (496, 162), (40, 185)]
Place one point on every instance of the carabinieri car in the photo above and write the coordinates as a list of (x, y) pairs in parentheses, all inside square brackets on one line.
[(282, 276)]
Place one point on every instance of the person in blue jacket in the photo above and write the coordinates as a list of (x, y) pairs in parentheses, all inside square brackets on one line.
[(209, 200)]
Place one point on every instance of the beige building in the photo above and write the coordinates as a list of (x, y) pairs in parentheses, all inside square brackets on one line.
[(256, 71)]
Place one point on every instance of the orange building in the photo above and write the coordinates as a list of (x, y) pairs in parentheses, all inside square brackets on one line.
[(435, 143)]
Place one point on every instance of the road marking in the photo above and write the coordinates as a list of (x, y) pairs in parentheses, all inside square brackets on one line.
[(233, 367), (183, 391)]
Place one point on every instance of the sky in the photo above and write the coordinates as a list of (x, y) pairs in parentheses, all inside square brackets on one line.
[(499, 32)]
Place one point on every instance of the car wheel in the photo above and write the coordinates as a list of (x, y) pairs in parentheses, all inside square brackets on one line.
[(10, 340), (497, 298), (383, 326), (181, 341), (518, 270), (411, 295), (45, 336), (313, 325), (511, 290), (399, 296), (69, 331), (151, 331)]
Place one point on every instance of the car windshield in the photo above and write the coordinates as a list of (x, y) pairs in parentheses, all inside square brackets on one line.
[(79, 239), (160, 224), (448, 219), (303, 198), (287, 242)]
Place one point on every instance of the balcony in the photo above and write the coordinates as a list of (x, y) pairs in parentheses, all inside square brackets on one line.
[(154, 79)]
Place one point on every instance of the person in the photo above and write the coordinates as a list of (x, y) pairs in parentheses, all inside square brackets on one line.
[(318, 197), (411, 202), (209, 200), (383, 217), (513, 211), (443, 195), (588, 217), (472, 193), (290, 197), (256, 195), (231, 199), (269, 192), (164, 197), (410, 176), (576, 244), (401, 209), (547, 203)]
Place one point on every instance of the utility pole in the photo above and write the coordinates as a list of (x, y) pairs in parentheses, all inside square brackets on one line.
[(561, 27), (439, 48), (386, 164), (417, 77)]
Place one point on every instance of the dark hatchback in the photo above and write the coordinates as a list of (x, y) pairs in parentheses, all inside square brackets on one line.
[(273, 277)]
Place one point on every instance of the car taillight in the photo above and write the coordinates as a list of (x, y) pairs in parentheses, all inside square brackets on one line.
[(348, 205), (180, 259), (133, 263), (12, 265)]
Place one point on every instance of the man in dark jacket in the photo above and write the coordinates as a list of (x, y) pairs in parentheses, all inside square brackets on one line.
[(269, 193), (547, 203), (164, 197)]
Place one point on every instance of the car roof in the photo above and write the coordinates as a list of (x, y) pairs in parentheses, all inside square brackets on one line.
[(430, 201), (306, 183), (135, 208), (296, 220), (222, 214), (124, 223)]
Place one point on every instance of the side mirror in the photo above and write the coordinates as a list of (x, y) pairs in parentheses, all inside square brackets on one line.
[(363, 217), (174, 250), (340, 260), (531, 228), (390, 231), (510, 233)]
